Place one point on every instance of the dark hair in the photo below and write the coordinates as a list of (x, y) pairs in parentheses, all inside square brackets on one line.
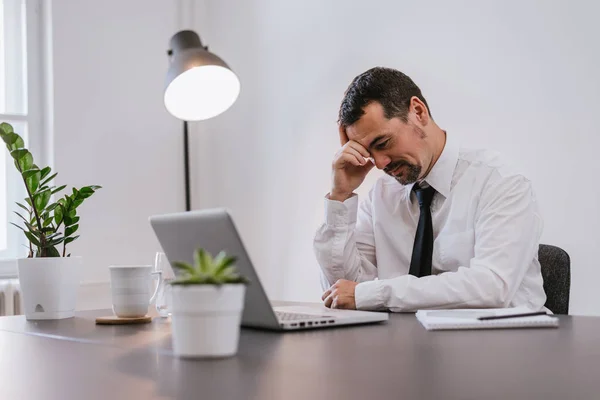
[(389, 87)]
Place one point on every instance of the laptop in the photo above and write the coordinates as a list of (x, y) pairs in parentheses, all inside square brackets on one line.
[(213, 230)]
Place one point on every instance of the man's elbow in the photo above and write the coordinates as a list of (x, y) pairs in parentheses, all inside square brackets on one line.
[(499, 294), (496, 302)]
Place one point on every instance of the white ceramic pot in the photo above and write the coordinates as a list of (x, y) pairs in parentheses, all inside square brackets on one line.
[(49, 286), (206, 319)]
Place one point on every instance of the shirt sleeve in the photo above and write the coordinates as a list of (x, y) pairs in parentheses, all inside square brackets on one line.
[(344, 244), (507, 232)]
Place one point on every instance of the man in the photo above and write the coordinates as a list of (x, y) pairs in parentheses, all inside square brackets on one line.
[(446, 228)]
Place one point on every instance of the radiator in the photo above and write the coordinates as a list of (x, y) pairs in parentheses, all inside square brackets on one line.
[(10, 297)]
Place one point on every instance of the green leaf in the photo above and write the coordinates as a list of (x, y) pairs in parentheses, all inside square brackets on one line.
[(202, 261), (68, 204), (6, 128), (209, 271), (77, 203), (32, 171), (23, 159), (198, 280), (45, 171), (71, 230), (52, 236), (45, 182), (70, 221), (13, 141), (223, 262), (183, 267), (41, 200), (229, 271), (41, 189), (58, 189), (28, 201), (22, 217), (51, 207), (52, 252), (71, 239), (87, 191), (58, 214), (32, 179), (19, 153), (32, 239), (47, 221), (18, 144), (54, 242), (23, 207), (9, 139), (226, 267), (32, 228), (20, 227)]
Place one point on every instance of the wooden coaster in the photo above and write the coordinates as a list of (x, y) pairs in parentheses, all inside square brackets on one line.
[(114, 320)]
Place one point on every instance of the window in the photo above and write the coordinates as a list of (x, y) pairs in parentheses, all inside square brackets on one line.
[(20, 72)]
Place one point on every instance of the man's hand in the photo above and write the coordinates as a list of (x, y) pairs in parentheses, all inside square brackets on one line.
[(350, 167), (340, 295)]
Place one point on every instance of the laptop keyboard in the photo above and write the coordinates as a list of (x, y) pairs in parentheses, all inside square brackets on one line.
[(289, 316)]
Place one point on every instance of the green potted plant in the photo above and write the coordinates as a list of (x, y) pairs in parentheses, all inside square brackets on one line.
[(49, 276), (207, 301)]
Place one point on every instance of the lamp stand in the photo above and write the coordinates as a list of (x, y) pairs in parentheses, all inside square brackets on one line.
[(186, 165)]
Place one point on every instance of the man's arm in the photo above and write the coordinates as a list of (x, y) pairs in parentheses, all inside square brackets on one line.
[(344, 244), (507, 234)]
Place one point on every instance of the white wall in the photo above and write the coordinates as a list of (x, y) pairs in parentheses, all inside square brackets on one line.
[(518, 77), (111, 128)]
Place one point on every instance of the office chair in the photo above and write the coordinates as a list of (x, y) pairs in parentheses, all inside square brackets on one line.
[(556, 271)]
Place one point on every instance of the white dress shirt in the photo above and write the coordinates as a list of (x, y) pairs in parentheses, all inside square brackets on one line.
[(486, 228)]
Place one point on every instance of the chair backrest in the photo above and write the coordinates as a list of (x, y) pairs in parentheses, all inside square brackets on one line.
[(556, 271)]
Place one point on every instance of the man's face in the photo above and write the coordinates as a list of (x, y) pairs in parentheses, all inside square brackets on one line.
[(397, 147)]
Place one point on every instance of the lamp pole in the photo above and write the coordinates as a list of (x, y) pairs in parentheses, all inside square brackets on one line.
[(186, 165)]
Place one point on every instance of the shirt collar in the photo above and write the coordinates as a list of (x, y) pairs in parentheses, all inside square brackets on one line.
[(440, 176)]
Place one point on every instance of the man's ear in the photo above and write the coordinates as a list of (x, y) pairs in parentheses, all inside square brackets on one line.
[(343, 135), (420, 110)]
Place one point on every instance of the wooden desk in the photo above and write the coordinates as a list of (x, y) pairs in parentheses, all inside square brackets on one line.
[(75, 359)]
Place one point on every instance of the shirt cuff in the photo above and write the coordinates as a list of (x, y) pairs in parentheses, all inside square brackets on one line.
[(339, 213), (370, 295)]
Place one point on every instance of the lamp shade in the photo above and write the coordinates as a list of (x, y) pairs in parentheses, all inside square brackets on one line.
[(199, 84)]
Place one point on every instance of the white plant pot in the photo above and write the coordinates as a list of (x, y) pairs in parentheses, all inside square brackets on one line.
[(206, 319), (49, 286)]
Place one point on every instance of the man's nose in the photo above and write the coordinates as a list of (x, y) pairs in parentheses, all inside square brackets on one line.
[(381, 161)]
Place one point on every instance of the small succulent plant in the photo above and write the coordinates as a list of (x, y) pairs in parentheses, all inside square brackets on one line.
[(208, 270)]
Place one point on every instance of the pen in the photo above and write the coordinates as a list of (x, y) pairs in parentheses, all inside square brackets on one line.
[(531, 314)]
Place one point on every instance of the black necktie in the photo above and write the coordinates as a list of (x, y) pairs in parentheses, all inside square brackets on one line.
[(420, 264)]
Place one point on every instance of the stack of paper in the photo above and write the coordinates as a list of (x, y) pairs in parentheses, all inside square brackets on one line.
[(468, 319)]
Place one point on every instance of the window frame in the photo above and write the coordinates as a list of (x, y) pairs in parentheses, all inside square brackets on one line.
[(37, 120)]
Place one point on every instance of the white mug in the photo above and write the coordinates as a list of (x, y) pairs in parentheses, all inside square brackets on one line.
[(130, 289)]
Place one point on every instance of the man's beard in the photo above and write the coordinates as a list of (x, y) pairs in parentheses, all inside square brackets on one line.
[(412, 171), (409, 174)]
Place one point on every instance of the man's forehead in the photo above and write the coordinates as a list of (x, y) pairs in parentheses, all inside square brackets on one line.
[(371, 124), (357, 134), (366, 138)]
